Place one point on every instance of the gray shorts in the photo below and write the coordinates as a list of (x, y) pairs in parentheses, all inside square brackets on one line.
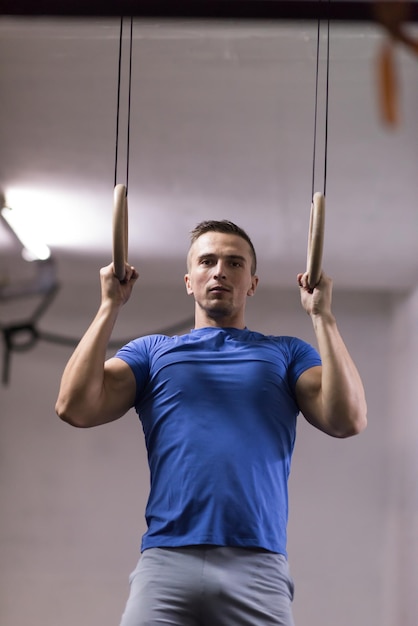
[(209, 586)]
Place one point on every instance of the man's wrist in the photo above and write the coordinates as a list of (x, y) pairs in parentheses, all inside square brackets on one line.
[(324, 318)]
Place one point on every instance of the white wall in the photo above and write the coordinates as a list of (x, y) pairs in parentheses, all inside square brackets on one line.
[(72, 501), (402, 490)]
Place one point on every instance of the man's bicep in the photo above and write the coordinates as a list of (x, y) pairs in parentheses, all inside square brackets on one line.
[(309, 396), (120, 387)]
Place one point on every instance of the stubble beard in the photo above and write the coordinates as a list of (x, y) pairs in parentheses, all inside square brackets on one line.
[(217, 310)]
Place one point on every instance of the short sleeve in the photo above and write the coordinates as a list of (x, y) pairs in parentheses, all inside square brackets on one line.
[(302, 356)]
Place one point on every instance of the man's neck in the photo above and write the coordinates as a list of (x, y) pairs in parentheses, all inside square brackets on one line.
[(206, 321)]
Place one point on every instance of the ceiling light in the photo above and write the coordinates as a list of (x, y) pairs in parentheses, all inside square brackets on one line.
[(34, 249)]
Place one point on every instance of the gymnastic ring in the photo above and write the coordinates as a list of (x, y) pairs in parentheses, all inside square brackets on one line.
[(315, 240), (120, 231)]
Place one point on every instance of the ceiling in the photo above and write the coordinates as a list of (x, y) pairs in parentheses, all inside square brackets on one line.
[(221, 126)]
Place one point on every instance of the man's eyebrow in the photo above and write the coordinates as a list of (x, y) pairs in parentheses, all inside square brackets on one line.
[(236, 257), (229, 257), (205, 255)]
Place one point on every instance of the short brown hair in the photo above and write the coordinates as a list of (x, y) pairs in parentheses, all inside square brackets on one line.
[(227, 227)]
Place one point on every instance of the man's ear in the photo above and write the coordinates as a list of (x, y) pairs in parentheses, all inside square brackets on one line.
[(254, 283), (188, 284)]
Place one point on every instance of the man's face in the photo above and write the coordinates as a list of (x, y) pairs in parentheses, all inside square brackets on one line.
[(219, 276)]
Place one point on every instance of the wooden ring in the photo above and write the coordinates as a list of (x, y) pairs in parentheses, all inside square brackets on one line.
[(315, 240), (120, 231)]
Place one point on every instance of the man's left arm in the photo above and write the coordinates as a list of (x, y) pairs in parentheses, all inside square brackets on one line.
[(331, 396)]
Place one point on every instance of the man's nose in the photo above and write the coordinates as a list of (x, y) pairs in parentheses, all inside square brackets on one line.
[(220, 270)]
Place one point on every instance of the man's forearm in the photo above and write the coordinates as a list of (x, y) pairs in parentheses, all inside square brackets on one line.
[(343, 397), (82, 380)]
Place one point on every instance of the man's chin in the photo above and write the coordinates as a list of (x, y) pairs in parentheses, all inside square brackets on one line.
[(217, 311)]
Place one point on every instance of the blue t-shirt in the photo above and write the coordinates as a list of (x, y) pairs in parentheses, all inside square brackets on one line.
[(218, 410)]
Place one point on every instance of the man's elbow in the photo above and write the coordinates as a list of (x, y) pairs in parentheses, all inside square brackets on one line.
[(71, 416), (353, 426)]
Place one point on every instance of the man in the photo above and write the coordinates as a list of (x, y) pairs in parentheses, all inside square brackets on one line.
[(218, 407)]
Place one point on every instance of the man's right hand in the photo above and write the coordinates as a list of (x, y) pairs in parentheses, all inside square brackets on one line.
[(113, 289)]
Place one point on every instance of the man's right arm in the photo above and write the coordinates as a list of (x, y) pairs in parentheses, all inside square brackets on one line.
[(94, 391)]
